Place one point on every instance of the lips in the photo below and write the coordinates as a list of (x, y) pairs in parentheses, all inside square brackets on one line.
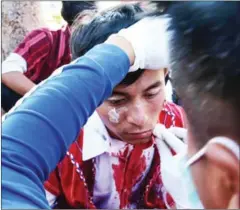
[(140, 135)]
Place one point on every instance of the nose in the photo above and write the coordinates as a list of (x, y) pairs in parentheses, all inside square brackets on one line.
[(137, 115)]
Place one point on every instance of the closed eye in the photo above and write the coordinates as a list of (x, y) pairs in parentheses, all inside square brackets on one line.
[(152, 93), (116, 102)]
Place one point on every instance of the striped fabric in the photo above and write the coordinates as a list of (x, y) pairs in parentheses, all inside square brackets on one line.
[(74, 183), (44, 51)]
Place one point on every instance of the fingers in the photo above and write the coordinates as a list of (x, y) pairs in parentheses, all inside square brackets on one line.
[(174, 142), (158, 130), (164, 150), (151, 45), (181, 133)]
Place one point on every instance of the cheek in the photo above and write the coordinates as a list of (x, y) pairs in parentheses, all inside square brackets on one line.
[(198, 177), (155, 105), (111, 117), (115, 115), (199, 171), (205, 180)]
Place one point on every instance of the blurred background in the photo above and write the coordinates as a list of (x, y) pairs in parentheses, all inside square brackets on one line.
[(20, 17)]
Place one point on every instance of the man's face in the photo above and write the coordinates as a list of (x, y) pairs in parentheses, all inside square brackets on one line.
[(132, 112)]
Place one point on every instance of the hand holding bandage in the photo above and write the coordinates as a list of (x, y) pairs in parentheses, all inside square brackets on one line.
[(149, 42)]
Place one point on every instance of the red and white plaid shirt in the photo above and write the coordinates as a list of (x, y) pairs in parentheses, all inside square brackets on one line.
[(44, 50), (99, 172)]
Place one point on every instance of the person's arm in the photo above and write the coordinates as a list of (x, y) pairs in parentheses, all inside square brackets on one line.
[(17, 82), (38, 131), (35, 48), (13, 69)]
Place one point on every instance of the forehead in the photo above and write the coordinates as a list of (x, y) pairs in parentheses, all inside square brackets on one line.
[(148, 78)]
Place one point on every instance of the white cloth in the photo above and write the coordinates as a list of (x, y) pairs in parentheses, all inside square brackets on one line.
[(169, 91), (96, 143), (149, 39), (166, 139), (14, 62), (105, 194), (50, 198)]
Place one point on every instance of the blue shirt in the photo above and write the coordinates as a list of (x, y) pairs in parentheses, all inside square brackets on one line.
[(37, 133)]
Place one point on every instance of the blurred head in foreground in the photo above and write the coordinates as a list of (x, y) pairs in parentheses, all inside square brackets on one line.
[(205, 64)]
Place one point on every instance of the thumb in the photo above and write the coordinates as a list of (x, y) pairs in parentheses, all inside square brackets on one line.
[(181, 133), (175, 143), (164, 151), (169, 138)]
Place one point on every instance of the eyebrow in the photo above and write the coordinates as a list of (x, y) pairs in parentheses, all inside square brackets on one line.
[(154, 85), (119, 93)]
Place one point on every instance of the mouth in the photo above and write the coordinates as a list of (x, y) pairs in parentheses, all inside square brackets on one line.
[(140, 135)]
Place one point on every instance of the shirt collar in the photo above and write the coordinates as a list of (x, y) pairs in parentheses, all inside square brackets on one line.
[(96, 139)]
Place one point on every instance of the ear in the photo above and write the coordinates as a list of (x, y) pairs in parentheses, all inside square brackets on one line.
[(225, 160)]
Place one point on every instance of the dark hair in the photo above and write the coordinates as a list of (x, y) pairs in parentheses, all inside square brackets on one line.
[(162, 6), (70, 9), (86, 36), (205, 64)]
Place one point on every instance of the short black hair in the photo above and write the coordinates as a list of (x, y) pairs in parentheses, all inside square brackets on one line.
[(205, 64), (71, 9), (162, 6), (86, 36)]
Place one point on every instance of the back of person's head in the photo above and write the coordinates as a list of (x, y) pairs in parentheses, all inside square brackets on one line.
[(71, 9), (100, 27), (205, 63), (206, 66), (103, 24)]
